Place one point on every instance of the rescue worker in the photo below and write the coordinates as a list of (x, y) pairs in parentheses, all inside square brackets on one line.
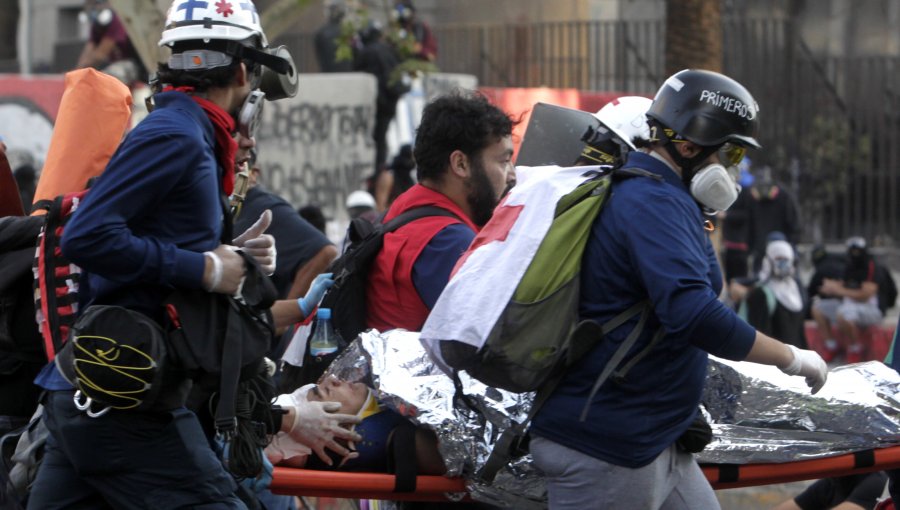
[(153, 223), (649, 245)]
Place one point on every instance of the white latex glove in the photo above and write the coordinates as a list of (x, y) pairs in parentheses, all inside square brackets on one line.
[(223, 270), (810, 365), (258, 245), (317, 425)]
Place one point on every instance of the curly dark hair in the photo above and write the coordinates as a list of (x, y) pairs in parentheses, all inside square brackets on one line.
[(465, 122)]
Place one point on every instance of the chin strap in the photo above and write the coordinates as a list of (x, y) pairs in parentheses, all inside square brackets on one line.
[(688, 165)]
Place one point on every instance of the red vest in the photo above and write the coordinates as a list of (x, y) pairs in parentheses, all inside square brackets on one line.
[(391, 298)]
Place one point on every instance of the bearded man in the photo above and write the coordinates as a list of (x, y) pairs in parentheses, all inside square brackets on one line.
[(463, 150)]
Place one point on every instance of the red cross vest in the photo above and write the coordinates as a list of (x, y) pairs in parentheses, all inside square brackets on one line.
[(391, 297)]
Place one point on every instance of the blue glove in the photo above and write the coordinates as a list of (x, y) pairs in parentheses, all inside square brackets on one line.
[(308, 303)]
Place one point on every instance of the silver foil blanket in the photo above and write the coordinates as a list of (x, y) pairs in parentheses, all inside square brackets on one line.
[(397, 367), (757, 413)]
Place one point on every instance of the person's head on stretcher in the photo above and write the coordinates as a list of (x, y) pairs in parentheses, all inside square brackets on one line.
[(378, 428)]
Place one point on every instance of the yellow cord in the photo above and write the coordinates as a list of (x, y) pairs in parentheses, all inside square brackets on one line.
[(103, 358)]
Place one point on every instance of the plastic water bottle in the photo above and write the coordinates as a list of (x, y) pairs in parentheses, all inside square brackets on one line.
[(324, 339)]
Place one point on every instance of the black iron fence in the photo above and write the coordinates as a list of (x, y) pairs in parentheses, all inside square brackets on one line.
[(829, 124)]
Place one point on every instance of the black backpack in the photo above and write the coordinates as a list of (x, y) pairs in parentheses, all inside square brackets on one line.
[(347, 297)]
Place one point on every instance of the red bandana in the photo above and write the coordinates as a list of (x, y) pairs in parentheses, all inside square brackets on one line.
[(223, 125)]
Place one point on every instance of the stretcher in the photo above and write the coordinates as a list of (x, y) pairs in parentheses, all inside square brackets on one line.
[(729, 476), (335, 484), (306, 482)]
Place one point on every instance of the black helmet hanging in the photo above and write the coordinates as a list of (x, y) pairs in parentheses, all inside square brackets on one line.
[(707, 108)]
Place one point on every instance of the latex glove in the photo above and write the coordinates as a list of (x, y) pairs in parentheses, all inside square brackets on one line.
[(224, 270), (810, 365), (258, 245), (317, 426), (307, 303)]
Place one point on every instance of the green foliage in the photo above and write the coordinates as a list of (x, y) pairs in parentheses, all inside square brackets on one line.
[(357, 19)]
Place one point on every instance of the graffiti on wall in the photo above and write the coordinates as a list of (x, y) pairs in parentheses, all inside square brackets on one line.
[(317, 147)]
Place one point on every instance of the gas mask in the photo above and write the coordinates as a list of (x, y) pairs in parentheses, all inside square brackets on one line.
[(251, 113), (714, 187), (279, 85), (277, 80), (274, 72)]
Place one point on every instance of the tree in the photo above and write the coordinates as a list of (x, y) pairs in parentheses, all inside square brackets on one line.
[(693, 35)]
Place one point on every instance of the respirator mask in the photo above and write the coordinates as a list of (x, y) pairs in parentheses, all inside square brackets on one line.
[(281, 82), (251, 113), (274, 79), (714, 185), (272, 76)]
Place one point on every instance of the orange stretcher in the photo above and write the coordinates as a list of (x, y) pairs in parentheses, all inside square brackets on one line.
[(335, 484), (307, 482), (729, 476)]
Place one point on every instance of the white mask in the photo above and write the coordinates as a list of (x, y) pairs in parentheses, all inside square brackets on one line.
[(714, 187)]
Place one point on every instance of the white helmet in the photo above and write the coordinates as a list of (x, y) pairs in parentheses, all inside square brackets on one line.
[(625, 116), (228, 20), (360, 198)]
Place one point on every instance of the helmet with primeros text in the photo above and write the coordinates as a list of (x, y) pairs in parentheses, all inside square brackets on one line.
[(226, 20), (626, 116), (707, 108)]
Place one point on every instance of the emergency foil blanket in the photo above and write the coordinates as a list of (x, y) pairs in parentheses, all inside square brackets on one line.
[(758, 414)]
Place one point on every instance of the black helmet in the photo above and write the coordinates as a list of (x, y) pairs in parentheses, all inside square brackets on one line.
[(707, 108)]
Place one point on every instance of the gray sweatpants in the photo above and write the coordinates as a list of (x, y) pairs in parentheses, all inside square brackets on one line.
[(673, 481)]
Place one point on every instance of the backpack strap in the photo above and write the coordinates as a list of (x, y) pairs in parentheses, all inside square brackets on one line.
[(414, 214), (402, 460), (514, 438), (54, 272), (642, 307)]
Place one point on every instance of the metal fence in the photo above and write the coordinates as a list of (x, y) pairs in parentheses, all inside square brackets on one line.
[(828, 123)]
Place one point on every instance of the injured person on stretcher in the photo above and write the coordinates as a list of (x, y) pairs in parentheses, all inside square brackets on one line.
[(380, 429)]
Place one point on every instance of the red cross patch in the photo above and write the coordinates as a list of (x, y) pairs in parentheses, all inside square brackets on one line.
[(224, 8)]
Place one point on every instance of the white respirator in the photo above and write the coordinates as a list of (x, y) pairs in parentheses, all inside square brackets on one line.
[(714, 187)]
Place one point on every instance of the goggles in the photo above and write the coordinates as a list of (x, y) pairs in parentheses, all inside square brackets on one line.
[(731, 154)]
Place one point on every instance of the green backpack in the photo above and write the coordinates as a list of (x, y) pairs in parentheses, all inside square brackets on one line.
[(538, 334)]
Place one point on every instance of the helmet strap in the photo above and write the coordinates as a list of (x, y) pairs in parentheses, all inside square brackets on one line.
[(689, 166), (278, 64)]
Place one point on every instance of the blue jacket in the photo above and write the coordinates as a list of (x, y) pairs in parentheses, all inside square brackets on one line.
[(648, 242), (143, 227)]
